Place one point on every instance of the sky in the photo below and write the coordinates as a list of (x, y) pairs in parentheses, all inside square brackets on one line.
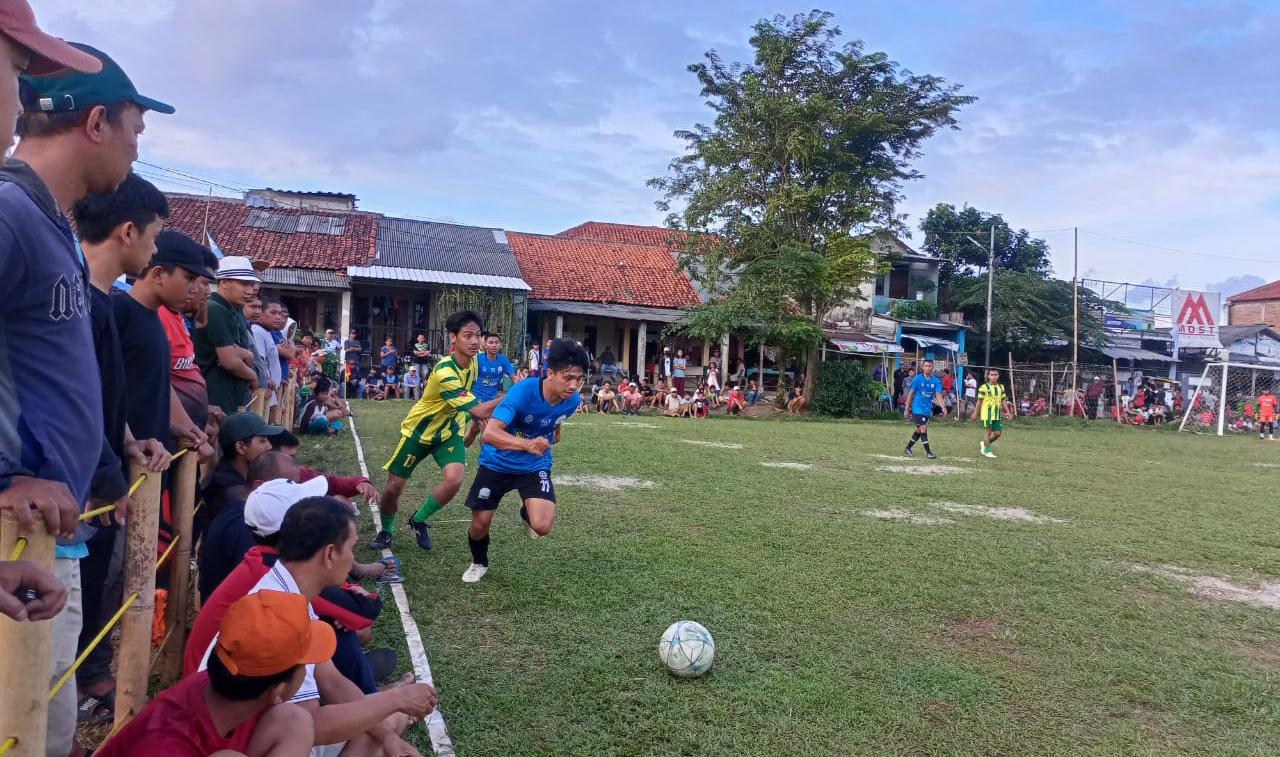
[(1152, 121)]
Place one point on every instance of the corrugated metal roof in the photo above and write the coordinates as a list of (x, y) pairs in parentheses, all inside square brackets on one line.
[(423, 276), (1130, 353), (431, 246), (607, 310), (308, 278)]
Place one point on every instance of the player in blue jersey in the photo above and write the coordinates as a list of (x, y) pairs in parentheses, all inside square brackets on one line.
[(491, 368), (516, 454), (924, 391)]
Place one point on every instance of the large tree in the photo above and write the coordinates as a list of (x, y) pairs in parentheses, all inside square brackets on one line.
[(810, 145), (1030, 311), (947, 233)]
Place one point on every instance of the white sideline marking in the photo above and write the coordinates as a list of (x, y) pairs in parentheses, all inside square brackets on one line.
[(712, 444), (434, 723), (923, 470), (605, 483), (899, 513), (999, 513), (787, 465)]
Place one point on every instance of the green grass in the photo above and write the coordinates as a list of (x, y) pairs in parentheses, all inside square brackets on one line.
[(842, 634)]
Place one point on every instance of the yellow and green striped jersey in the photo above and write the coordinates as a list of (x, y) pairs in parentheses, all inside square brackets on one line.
[(992, 398), (446, 396)]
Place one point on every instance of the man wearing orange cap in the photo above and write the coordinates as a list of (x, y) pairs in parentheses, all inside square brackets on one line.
[(240, 704)]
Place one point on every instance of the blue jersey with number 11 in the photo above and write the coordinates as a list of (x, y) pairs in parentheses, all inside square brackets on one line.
[(923, 391), (525, 413)]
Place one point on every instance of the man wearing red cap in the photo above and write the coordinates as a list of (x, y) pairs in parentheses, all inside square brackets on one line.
[(240, 704)]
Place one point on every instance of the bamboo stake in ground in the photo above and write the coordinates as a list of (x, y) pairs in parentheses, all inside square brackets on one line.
[(1115, 380), (182, 502), (26, 653), (1013, 392), (133, 656)]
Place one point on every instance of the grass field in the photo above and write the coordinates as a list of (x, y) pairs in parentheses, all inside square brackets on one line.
[(840, 633)]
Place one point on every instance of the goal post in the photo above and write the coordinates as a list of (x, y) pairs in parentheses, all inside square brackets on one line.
[(1225, 397)]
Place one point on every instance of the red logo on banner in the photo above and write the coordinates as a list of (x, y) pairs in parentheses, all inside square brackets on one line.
[(1195, 311)]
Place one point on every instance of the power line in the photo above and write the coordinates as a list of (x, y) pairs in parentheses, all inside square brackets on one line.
[(1180, 250)]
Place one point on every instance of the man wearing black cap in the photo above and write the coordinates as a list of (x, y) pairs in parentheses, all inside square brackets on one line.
[(79, 135), (243, 437)]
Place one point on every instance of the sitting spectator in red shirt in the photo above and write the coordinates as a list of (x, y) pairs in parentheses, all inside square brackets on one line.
[(343, 487), (736, 402), (240, 705)]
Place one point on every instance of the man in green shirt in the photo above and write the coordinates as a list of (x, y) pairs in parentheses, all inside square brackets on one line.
[(224, 349)]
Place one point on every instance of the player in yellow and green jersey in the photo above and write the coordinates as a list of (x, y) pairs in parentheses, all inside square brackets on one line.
[(992, 402), (435, 427)]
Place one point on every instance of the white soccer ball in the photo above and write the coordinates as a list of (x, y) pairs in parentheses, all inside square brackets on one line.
[(687, 649)]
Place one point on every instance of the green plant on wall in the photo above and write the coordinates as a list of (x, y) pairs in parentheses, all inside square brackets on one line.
[(503, 312)]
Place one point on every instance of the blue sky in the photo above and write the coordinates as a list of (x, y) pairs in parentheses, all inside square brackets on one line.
[(1148, 120)]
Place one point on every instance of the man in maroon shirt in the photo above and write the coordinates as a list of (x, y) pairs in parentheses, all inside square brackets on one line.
[(240, 704)]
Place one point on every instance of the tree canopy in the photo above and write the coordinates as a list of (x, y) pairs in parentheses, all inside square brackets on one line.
[(809, 147), (1029, 311), (947, 232)]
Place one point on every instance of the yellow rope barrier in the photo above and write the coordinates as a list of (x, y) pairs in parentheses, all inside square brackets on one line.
[(133, 489), (199, 505), (87, 514), (16, 552), (106, 629), (165, 555), (7, 745)]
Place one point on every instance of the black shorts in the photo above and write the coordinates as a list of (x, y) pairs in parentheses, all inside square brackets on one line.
[(490, 485), (920, 420)]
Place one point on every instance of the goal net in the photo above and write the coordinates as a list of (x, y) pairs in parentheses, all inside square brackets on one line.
[(1224, 398)]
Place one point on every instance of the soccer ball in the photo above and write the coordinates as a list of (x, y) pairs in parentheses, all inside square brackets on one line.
[(687, 649)]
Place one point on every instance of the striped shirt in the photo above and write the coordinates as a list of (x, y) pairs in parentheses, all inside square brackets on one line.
[(446, 396), (992, 398)]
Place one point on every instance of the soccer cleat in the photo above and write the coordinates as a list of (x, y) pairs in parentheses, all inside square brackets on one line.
[(988, 453), (982, 448), (907, 451), (421, 533), (931, 456), (381, 541), (474, 573)]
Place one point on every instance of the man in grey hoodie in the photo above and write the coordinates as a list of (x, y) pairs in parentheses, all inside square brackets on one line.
[(79, 134)]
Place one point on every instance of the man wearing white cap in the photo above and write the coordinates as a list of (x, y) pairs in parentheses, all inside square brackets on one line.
[(224, 348)]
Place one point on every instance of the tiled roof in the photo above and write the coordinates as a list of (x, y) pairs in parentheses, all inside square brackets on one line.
[(658, 236), (583, 270), (285, 249), (1258, 294), (432, 246)]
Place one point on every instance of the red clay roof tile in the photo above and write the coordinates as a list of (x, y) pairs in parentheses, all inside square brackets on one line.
[(1258, 294), (355, 246), (584, 270)]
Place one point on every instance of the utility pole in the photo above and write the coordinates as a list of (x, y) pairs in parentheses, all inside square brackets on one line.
[(991, 272), (1075, 316)]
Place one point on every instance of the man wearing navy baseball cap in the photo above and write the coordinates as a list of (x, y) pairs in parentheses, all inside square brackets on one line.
[(79, 135)]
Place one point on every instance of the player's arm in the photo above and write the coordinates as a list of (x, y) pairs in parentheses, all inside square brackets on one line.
[(497, 436)]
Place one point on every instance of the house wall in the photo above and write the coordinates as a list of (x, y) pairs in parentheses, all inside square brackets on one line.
[(1249, 313)]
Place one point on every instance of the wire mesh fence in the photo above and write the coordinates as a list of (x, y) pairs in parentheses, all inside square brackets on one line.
[(1056, 389), (1227, 398)]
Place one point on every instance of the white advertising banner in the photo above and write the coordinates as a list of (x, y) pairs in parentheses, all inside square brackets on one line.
[(1195, 319)]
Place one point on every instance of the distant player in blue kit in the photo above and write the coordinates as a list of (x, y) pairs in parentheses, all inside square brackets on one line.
[(516, 453), (491, 368), (924, 391)]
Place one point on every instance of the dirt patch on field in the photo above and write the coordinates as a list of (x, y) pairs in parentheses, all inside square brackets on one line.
[(984, 635), (899, 513), (718, 445), (1265, 654), (999, 513), (1259, 594), (604, 483), (1266, 465), (786, 465), (904, 457), (924, 470)]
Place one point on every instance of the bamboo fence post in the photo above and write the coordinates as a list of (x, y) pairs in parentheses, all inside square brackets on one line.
[(26, 653), (1013, 391), (133, 655), (1053, 386), (182, 501), (1115, 381)]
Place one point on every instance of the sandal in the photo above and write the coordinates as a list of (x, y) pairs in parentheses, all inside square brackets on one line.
[(93, 710), (392, 573)]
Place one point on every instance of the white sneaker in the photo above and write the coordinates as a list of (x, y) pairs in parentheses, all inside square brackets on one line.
[(474, 573), (988, 453)]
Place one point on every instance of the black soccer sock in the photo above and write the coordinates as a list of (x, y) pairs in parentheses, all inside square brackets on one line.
[(914, 437), (479, 550), (524, 513), (924, 439)]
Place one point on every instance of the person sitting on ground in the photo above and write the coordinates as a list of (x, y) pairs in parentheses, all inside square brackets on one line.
[(674, 405), (242, 705), (754, 395), (686, 405), (390, 384), (798, 403), (411, 384), (243, 437), (698, 404), (735, 403), (318, 415), (606, 399), (345, 488), (657, 396), (317, 539), (355, 379), (374, 386), (632, 399)]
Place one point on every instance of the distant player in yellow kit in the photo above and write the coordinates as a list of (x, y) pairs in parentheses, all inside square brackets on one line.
[(991, 403)]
